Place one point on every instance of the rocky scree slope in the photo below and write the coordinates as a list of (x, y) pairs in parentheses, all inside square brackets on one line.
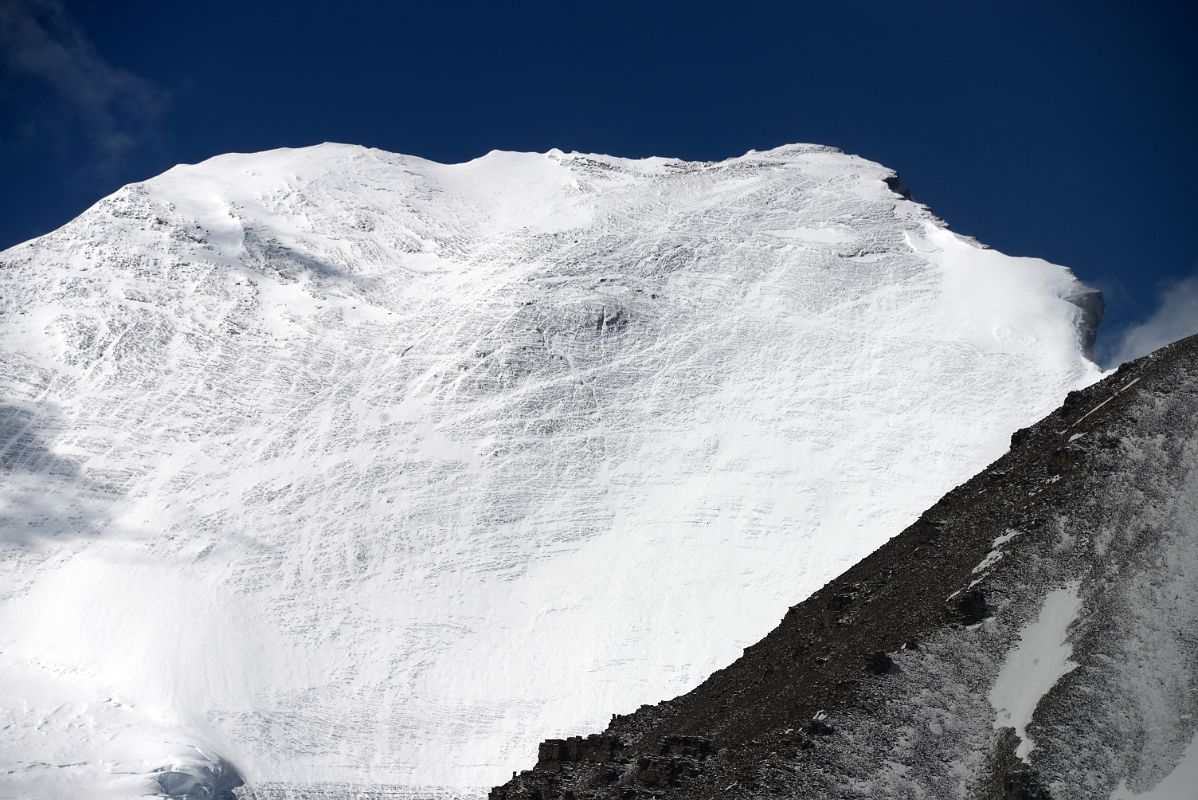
[(1032, 635), (335, 465)]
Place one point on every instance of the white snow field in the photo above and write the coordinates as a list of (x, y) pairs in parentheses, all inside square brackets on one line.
[(334, 465)]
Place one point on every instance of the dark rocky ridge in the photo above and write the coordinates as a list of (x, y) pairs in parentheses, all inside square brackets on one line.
[(878, 684)]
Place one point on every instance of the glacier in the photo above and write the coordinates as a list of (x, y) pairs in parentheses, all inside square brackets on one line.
[(332, 465)]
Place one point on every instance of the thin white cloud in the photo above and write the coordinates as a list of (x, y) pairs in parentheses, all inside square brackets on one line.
[(1176, 317), (39, 40)]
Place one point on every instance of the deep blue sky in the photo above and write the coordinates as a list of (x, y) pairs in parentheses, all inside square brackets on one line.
[(1061, 130)]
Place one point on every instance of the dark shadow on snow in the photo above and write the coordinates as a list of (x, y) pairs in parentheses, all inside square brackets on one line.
[(45, 494)]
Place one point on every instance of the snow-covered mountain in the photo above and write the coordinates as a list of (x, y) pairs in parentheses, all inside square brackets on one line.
[(336, 465), (1030, 637)]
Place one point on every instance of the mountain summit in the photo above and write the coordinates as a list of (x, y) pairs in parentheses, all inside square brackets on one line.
[(333, 465)]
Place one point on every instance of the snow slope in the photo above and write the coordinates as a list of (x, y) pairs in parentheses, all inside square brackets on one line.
[(348, 466), (1030, 637)]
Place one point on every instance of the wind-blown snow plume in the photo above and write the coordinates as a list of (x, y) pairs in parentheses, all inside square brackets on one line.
[(1175, 317)]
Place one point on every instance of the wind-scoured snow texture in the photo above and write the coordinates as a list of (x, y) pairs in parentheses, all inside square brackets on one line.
[(350, 466)]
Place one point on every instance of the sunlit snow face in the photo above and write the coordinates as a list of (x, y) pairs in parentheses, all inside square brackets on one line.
[(379, 456)]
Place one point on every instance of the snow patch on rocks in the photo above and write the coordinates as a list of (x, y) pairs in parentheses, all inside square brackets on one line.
[(1034, 666)]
